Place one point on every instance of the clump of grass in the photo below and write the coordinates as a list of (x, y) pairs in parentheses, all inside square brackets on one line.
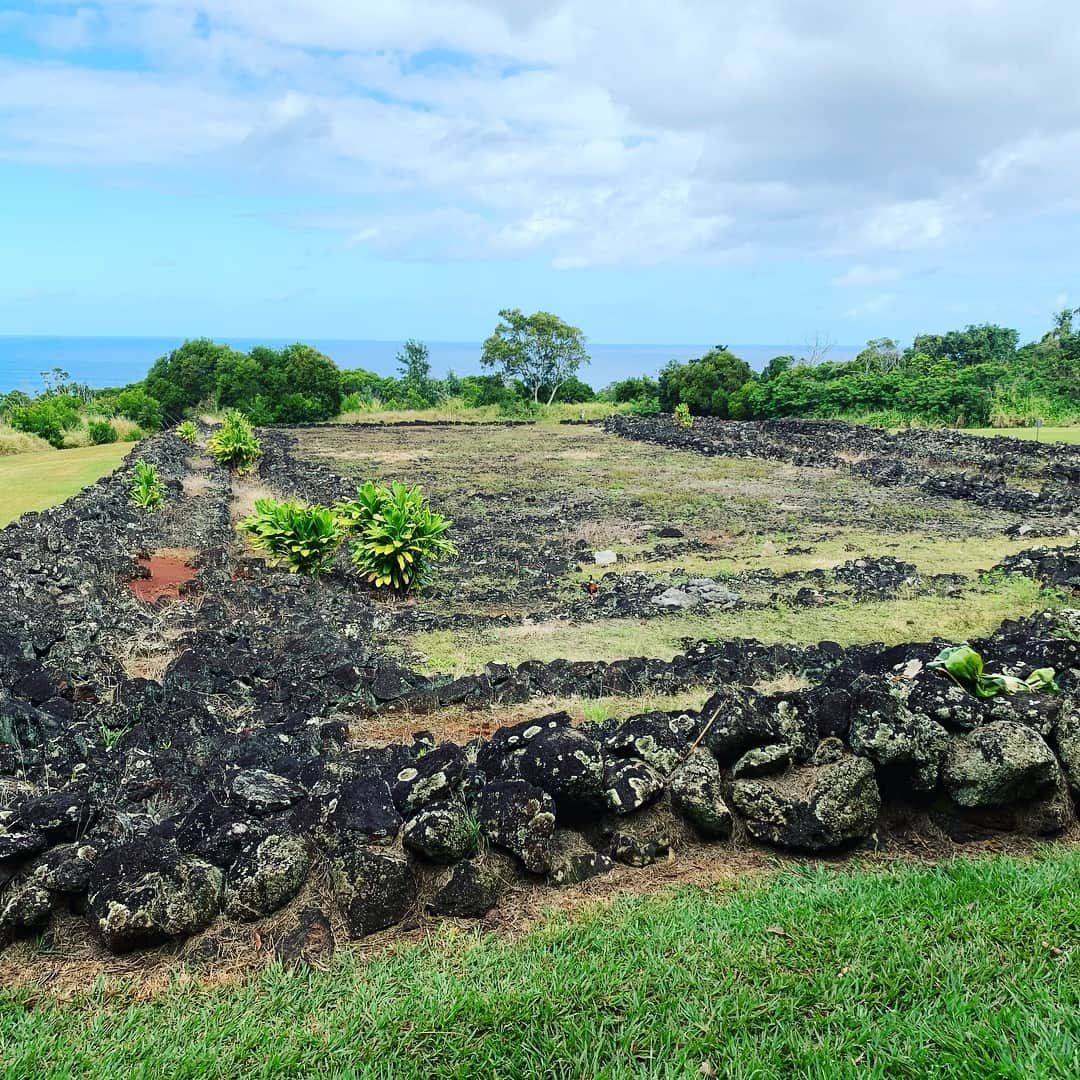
[(20, 442)]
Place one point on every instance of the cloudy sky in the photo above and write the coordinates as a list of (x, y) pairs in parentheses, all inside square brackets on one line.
[(685, 171)]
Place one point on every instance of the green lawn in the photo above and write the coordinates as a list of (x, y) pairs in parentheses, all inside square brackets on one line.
[(37, 481), (1046, 434), (968, 969)]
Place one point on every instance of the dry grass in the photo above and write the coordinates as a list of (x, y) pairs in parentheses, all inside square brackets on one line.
[(19, 442), (462, 724), (196, 485), (245, 490)]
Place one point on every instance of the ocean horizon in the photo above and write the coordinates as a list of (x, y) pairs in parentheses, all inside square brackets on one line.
[(102, 362)]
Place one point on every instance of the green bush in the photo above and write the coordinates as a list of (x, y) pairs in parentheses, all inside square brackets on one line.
[(137, 405), (102, 431), (303, 538), (133, 435), (649, 406), (682, 416), (48, 417), (234, 444), (397, 537), (146, 489), (187, 431)]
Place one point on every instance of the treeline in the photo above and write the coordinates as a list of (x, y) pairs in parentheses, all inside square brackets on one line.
[(973, 377), (969, 378)]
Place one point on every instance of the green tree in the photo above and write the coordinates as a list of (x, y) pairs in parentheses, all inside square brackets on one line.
[(414, 363), (983, 344), (540, 349), (706, 385), (188, 375)]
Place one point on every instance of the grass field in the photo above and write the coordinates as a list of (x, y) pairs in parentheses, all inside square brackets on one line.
[(967, 969), (37, 481), (1046, 434)]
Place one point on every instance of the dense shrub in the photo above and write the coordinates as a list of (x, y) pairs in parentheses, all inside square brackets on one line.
[(638, 388), (303, 538), (102, 431), (397, 537), (146, 489), (137, 405), (234, 443), (705, 385), (49, 417)]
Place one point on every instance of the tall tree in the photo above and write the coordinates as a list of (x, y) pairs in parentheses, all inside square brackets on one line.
[(414, 363), (539, 349)]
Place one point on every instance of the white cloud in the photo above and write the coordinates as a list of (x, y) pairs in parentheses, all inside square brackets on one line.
[(584, 131)]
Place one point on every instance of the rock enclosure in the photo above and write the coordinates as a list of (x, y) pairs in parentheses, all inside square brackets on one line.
[(199, 759)]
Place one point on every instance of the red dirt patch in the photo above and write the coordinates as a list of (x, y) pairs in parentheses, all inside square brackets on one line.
[(168, 571)]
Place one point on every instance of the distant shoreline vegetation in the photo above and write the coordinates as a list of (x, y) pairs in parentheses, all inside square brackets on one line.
[(976, 377)]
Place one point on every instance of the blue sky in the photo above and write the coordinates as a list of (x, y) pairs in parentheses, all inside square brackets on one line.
[(695, 171)]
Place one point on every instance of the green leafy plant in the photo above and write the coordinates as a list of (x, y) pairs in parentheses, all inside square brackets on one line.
[(187, 431), (965, 667), (397, 537), (101, 432), (146, 489), (234, 444), (303, 538), (682, 415)]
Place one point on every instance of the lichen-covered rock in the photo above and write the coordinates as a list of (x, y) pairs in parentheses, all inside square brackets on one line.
[(629, 785), (57, 815), (907, 747), (763, 760), (374, 887), (23, 907), (361, 807), (651, 737), (998, 763), (473, 887), (66, 868), (263, 792), (575, 869), (945, 703), (568, 765), (812, 808), (145, 892), (432, 777), (734, 723), (632, 850), (266, 875), (519, 817), (696, 788), (1067, 741), (1037, 710), (442, 831), (499, 755)]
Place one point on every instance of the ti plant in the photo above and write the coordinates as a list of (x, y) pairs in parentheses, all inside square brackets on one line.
[(234, 443), (146, 489), (187, 431), (682, 415), (303, 538), (397, 537), (964, 666)]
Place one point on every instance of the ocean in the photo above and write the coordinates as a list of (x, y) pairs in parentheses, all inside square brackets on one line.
[(115, 361)]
